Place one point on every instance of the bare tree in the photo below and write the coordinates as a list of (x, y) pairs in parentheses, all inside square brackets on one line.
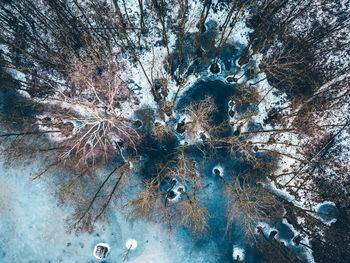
[(249, 205), (200, 119), (93, 201)]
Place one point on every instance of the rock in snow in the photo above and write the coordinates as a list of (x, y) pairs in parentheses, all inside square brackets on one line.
[(101, 250)]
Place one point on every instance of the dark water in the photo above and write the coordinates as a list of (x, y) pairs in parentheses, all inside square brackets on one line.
[(220, 91), (328, 210)]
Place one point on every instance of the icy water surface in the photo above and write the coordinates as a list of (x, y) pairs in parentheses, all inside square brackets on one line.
[(33, 228)]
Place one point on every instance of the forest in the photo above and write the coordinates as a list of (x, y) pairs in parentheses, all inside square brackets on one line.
[(197, 130)]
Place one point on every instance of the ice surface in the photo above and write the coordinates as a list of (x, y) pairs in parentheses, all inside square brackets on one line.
[(329, 212), (33, 229)]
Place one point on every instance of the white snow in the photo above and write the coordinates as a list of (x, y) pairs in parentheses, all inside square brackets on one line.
[(220, 168), (131, 244), (238, 253), (177, 191)]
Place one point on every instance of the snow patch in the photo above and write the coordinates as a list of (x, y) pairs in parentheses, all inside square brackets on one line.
[(238, 253), (218, 170), (131, 244)]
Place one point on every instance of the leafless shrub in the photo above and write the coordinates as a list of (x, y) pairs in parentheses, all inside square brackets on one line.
[(162, 131), (158, 203), (200, 115), (248, 205)]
